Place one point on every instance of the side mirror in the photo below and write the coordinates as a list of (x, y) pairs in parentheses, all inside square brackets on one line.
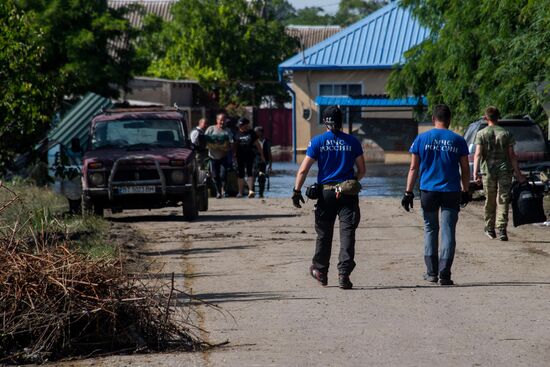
[(75, 145)]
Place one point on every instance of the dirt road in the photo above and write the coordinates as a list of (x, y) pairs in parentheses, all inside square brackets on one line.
[(250, 257)]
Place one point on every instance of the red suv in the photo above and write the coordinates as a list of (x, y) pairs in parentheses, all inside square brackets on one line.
[(141, 158)]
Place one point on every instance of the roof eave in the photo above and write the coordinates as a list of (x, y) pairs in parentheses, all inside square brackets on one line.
[(335, 67)]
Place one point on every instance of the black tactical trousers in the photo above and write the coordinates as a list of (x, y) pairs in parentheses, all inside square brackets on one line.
[(328, 207), (262, 169)]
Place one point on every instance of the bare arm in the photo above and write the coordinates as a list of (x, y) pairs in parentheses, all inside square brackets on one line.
[(360, 163), (514, 161), (302, 172), (413, 172), (477, 160), (465, 173)]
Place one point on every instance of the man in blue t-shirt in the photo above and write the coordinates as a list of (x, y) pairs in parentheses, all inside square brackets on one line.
[(336, 154), (442, 157)]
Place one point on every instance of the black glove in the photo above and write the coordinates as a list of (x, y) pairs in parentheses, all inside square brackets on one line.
[(297, 197), (464, 198), (407, 200)]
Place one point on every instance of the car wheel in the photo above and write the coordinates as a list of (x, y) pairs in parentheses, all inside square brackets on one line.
[(190, 211), (203, 198), (91, 208), (75, 206), (98, 210)]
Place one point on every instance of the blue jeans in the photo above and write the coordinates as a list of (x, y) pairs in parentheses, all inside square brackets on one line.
[(447, 204)]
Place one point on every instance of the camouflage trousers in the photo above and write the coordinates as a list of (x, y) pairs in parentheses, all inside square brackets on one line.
[(497, 199)]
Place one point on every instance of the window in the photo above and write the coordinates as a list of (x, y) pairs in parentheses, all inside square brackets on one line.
[(351, 113), (133, 133)]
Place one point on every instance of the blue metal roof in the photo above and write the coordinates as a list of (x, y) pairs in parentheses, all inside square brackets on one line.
[(370, 101), (76, 122), (377, 41)]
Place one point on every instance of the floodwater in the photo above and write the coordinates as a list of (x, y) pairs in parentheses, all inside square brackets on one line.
[(381, 179)]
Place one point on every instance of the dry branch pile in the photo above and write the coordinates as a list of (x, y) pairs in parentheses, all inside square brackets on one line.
[(56, 303)]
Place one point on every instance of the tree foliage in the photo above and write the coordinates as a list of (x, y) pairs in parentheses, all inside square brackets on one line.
[(27, 92), (312, 15), (351, 11), (232, 47), (50, 49), (480, 52), (79, 42)]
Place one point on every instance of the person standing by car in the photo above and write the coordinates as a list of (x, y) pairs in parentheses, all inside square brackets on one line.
[(219, 140), (198, 139), (264, 168), (336, 154), (245, 141), (440, 157), (496, 157)]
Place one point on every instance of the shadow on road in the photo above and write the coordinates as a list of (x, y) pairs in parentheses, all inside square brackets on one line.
[(457, 285), (224, 297), (168, 276), (190, 251), (221, 218), (202, 218)]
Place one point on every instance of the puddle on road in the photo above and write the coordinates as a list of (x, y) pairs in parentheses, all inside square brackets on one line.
[(381, 180)]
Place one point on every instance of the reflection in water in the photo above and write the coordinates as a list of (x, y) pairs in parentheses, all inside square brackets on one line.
[(381, 180)]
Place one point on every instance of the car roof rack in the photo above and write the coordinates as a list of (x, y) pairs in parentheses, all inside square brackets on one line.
[(147, 108)]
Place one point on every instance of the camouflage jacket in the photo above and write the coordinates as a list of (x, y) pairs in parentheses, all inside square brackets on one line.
[(495, 142)]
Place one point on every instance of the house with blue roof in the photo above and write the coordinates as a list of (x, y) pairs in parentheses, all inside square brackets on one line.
[(351, 69)]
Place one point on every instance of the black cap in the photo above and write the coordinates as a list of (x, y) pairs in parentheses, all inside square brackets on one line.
[(332, 117), (243, 121)]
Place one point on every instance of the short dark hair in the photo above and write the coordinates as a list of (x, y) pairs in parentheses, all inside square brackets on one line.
[(492, 113), (332, 117), (243, 121), (442, 113)]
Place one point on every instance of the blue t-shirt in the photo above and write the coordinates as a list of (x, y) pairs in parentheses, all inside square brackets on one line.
[(335, 154), (439, 151)]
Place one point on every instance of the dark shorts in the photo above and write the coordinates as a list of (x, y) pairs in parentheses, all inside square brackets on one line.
[(245, 163)]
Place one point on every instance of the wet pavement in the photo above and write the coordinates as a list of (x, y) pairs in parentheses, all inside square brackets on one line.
[(381, 179)]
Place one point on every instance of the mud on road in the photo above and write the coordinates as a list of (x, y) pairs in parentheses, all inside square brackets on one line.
[(250, 257)]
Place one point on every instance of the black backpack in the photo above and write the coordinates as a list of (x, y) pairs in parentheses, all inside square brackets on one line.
[(527, 204)]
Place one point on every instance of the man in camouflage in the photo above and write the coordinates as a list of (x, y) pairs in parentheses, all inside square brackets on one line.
[(497, 159)]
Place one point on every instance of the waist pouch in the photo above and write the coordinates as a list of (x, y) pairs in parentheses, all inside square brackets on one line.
[(313, 191), (348, 187)]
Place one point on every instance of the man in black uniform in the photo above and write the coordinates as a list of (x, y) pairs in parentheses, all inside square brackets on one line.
[(336, 154), (245, 141), (264, 168)]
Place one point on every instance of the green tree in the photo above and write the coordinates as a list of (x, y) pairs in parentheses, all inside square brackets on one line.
[(480, 52), (279, 10), (79, 42), (229, 46), (350, 11), (313, 15), (26, 101)]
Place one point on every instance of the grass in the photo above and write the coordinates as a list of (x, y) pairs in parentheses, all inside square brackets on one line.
[(42, 215)]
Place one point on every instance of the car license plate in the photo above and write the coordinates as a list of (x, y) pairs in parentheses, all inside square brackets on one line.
[(136, 190)]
